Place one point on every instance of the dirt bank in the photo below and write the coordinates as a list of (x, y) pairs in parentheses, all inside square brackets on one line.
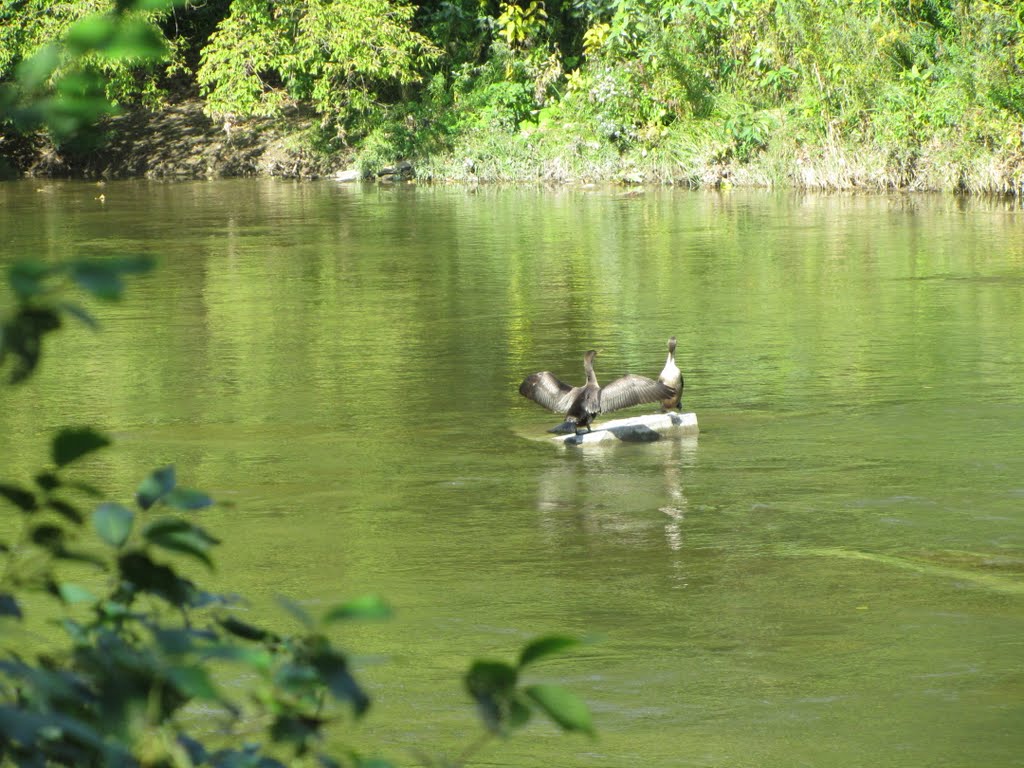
[(183, 143)]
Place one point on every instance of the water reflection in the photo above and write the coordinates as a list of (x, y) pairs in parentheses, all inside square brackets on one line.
[(619, 486)]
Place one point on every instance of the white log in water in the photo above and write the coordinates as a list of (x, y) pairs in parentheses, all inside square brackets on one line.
[(637, 429)]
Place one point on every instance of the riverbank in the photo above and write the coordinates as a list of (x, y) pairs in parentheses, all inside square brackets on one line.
[(182, 142)]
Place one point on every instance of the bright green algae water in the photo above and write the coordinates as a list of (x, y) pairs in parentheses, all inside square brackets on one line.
[(832, 574)]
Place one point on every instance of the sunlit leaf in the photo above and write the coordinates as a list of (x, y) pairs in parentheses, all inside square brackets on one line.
[(113, 523), (564, 708), (365, 607), (19, 497), (187, 499), (257, 658), (181, 536), (71, 444), (545, 646), (158, 483)]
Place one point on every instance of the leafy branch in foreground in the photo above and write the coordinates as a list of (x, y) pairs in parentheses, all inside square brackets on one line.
[(145, 649), (143, 671)]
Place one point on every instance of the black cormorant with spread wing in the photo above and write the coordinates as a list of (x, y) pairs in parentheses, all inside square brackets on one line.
[(582, 405)]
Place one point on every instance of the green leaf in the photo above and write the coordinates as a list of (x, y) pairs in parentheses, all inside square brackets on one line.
[(136, 39), (9, 606), (564, 708), (92, 32), (26, 278), (181, 536), (19, 497), (246, 631), (545, 646), (50, 537), (145, 575), (187, 499), (23, 338), (99, 278), (365, 607), (65, 510), (113, 523), (34, 71), (71, 444), (73, 593), (492, 685), (155, 5), (157, 484), (193, 682), (47, 481), (490, 677), (335, 674)]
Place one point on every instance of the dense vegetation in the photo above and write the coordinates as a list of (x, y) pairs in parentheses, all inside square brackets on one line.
[(112, 653), (875, 93)]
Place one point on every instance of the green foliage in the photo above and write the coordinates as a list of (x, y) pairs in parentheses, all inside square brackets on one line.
[(143, 643), (506, 705), (66, 64), (42, 309), (343, 57)]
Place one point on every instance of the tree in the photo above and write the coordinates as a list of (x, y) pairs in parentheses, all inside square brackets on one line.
[(345, 58)]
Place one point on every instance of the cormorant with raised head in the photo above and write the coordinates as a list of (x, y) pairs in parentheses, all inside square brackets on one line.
[(671, 376), (583, 404)]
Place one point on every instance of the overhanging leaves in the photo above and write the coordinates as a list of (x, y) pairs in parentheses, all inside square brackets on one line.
[(365, 607), (19, 497), (73, 443), (181, 536), (140, 573), (113, 523), (187, 499), (157, 484), (545, 646), (564, 708)]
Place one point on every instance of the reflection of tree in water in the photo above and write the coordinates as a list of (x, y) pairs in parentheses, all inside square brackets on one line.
[(612, 491)]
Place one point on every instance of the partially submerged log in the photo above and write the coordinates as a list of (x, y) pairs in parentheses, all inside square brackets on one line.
[(637, 429)]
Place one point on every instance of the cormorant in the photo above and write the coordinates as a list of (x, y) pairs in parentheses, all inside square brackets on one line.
[(671, 376), (583, 404)]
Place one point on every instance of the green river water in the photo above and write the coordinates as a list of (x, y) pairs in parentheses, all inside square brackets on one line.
[(832, 574)]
